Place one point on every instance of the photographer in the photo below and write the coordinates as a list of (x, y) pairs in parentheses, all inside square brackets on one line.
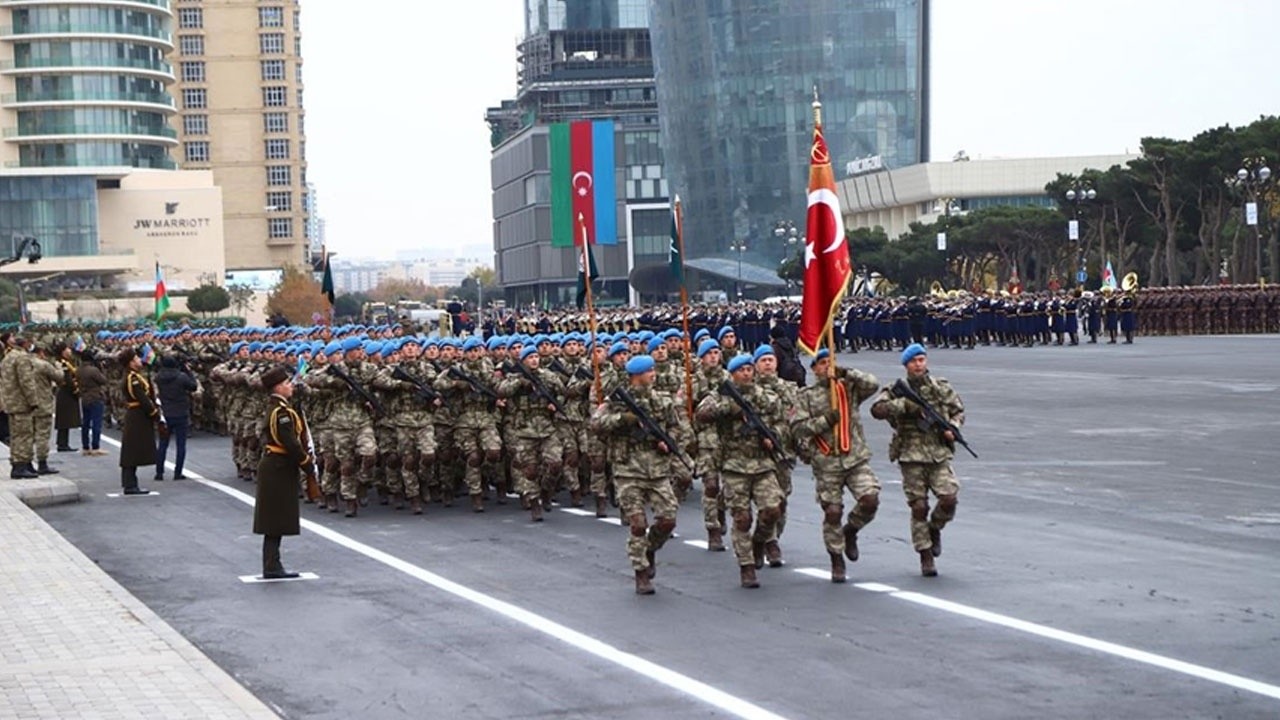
[(93, 393), (174, 385)]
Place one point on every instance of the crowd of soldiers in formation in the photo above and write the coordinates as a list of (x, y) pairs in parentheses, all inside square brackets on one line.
[(407, 421)]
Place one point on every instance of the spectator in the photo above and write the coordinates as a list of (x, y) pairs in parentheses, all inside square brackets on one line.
[(93, 395), (174, 386)]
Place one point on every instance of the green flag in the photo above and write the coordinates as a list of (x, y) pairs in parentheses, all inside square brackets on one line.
[(586, 273), (326, 283), (677, 244)]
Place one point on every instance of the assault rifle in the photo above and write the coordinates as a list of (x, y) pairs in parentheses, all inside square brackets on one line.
[(581, 373), (729, 390), (539, 388), (356, 388), (651, 427), (476, 386), (425, 391), (901, 389)]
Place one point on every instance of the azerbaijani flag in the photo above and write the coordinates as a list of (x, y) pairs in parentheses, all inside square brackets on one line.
[(582, 183), (162, 295), (1109, 277)]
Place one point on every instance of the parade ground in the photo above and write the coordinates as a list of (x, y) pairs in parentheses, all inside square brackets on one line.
[(1113, 555)]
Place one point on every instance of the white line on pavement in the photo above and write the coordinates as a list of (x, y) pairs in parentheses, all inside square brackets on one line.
[(815, 573), (578, 511), (697, 543), (611, 520), (259, 580), (683, 683)]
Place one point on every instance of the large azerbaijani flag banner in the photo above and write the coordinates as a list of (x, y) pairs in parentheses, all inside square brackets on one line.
[(582, 183)]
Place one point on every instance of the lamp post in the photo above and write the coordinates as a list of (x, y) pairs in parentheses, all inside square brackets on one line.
[(1251, 178), (785, 232), (1077, 195), (948, 206), (740, 247)]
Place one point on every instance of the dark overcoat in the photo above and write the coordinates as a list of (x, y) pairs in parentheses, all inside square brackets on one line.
[(66, 415), (284, 459), (138, 441)]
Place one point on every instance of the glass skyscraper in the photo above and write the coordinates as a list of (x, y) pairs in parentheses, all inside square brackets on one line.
[(735, 82)]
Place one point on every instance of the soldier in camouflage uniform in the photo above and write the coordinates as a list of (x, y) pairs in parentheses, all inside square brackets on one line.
[(670, 382), (573, 431), (318, 403), (923, 454), (232, 399), (597, 364), (729, 347), (749, 471), (354, 450), (536, 452), (785, 393), (411, 443), (706, 381), (640, 468), (447, 474), (474, 428), (831, 438)]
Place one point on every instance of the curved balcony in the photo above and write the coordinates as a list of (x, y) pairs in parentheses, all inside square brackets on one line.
[(154, 134), (164, 100), (150, 67), (141, 4), (160, 163), (151, 36)]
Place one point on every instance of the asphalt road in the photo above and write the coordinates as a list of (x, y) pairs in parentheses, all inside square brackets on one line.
[(1114, 555)]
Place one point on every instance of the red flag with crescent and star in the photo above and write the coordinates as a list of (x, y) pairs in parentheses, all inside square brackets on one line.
[(826, 252)]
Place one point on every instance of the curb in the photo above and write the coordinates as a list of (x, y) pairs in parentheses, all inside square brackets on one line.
[(43, 492)]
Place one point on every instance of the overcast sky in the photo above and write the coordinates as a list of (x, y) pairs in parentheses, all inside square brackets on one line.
[(399, 152)]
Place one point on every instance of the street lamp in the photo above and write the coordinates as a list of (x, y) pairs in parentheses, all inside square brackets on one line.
[(786, 231), (1077, 195), (948, 206), (1252, 178), (740, 247)]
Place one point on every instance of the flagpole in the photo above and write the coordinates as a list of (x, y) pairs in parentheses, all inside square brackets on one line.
[(591, 309), (684, 315)]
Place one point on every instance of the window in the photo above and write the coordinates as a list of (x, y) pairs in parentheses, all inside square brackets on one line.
[(277, 149), (198, 151), (279, 201), (274, 122), (280, 227), (297, 21), (271, 17), (279, 175), (275, 96), (297, 45), (193, 71), (297, 72), (271, 43), (273, 70), (195, 98), (191, 44), (190, 18), (299, 97), (195, 124)]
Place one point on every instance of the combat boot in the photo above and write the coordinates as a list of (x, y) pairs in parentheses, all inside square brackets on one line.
[(332, 502), (935, 536), (715, 540), (22, 471), (44, 468), (773, 553), (415, 505), (748, 576), (837, 568), (399, 500), (927, 567), (643, 586), (477, 503), (851, 542), (602, 506), (384, 498), (353, 508), (535, 508), (575, 497), (650, 555), (757, 553)]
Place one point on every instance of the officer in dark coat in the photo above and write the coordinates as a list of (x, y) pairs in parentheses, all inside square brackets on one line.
[(285, 453), (66, 416), (138, 441)]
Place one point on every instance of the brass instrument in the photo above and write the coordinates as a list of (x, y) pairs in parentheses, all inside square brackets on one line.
[(1130, 282), (936, 290)]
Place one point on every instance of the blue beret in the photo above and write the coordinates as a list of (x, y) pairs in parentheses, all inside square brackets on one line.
[(255, 346), (738, 362), (494, 343), (822, 355), (761, 352), (411, 340), (568, 338), (646, 335), (656, 343), (527, 351), (349, 344), (372, 347), (332, 348), (701, 334), (707, 346), (540, 338), (725, 331), (639, 364), (472, 343), (617, 348), (911, 352), (235, 347)]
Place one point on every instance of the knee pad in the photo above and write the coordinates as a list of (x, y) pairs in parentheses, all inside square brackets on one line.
[(920, 510), (410, 463), (425, 459), (492, 456), (770, 515), (868, 504), (332, 466), (597, 466), (368, 463), (347, 468), (831, 514), (742, 520), (392, 461), (475, 459), (554, 469), (666, 526), (947, 503), (251, 442), (710, 487), (571, 459), (638, 525)]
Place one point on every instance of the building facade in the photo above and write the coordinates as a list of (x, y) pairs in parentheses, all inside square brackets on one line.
[(239, 92), (735, 89), (894, 198)]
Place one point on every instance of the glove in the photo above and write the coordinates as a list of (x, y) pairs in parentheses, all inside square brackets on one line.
[(630, 418)]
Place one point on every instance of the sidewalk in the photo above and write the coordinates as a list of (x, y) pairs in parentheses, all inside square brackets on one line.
[(75, 644)]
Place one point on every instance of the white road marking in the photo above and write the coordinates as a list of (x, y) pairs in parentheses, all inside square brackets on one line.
[(153, 493), (718, 698), (579, 511), (611, 520), (1178, 666), (259, 580), (697, 543)]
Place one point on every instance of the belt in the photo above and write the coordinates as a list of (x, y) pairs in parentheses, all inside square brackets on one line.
[(277, 449), (133, 404)]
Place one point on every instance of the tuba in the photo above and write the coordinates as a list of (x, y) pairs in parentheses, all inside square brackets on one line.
[(936, 291), (1130, 282)]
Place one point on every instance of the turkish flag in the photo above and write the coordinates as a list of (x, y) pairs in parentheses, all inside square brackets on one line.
[(826, 252)]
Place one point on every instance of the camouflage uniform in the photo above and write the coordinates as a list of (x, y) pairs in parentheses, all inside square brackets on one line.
[(536, 452), (18, 388), (835, 467), (706, 381), (670, 382), (351, 433), (410, 415), (786, 394), (474, 427), (924, 457), (574, 438), (749, 472), (232, 399), (640, 470), (46, 377), (319, 403)]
